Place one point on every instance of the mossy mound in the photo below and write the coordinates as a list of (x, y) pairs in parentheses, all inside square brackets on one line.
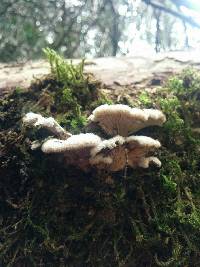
[(53, 215)]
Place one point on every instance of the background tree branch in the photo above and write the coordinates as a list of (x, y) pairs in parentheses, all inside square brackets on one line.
[(172, 12)]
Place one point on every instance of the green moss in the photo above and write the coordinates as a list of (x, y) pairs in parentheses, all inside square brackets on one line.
[(65, 72), (77, 93), (144, 99)]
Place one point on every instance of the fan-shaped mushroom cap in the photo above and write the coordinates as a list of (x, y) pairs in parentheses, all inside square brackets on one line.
[(144, 162), (117, 119), (109, 154), (114, 154), (155, 117), (138, 148), (54, 145), (122, 120), (75, 142), (37, 120), (108, 145), (76, 149), (31, 118), (142, 141)]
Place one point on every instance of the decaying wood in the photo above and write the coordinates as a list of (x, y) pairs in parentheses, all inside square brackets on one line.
[(115, 73)]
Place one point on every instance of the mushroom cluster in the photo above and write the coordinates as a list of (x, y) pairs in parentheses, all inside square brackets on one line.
[(114, 154)]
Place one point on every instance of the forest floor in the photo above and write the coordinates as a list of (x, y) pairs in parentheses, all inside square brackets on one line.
[(123, 75)]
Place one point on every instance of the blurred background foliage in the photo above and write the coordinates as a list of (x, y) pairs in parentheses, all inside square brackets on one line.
[(96, 28)]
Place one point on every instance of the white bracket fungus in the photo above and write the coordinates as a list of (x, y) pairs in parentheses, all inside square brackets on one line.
[(37, 120), (114, 154), (123, 120), (130, 151), (76, 149)]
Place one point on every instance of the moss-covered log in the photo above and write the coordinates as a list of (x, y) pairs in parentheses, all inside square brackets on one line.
[(56, 215)]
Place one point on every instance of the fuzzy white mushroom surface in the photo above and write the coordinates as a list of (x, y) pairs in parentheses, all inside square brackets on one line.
[(116, 153), (123, 120), (37, 120), (142, 141), (155, 117), (108, 145), (109, 154), (138, 148), (75, 142), (76, 150), (89, 150), (145, 162)]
